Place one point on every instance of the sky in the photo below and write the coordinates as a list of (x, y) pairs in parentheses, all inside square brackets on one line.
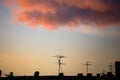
[(33, 31)]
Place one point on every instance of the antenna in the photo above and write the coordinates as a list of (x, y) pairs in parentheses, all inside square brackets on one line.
[(59, 57), (111, 67), (87, 65), (103, 72)]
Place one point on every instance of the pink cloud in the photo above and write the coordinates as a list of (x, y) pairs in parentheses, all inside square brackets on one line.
[(53, 14)]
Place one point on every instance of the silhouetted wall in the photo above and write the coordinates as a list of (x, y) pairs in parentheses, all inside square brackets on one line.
[(117, 69)]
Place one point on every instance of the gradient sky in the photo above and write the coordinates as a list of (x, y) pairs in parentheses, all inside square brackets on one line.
[(32, 31)]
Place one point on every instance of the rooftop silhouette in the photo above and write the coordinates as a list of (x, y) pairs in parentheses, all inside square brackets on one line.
[(61, 76)]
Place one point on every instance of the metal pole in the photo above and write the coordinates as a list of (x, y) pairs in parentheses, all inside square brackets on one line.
[(87, 67), (59, 67)]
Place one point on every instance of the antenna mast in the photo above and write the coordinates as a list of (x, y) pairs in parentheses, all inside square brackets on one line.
[(59, 57), (87, 65), (111, 67)]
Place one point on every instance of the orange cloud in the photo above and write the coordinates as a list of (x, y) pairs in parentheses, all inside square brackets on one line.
[(53, 14)]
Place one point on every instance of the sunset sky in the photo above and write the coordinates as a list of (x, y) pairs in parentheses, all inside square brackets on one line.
[(33, 31)]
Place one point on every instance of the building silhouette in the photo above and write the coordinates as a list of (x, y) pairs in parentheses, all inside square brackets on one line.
[(117, 69), (61, 76)]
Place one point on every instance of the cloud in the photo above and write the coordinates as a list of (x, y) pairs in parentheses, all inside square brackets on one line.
[(53, 14)]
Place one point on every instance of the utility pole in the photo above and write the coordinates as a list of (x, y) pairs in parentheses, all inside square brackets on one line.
[(59, 57), (87, 65)]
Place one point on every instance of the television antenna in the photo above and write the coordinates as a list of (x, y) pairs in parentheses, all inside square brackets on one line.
[(87, 65), (103, 72), (59, 57), (111, 67)]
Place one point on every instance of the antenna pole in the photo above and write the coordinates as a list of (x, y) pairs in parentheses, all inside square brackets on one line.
[(87, 65), (59, 63), (111, 67), (59, 67)]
